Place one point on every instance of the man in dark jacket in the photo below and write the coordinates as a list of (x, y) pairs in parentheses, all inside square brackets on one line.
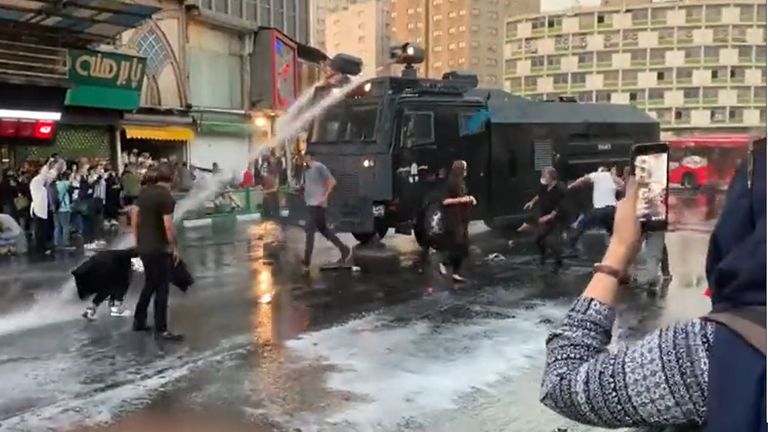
[(107, 275)]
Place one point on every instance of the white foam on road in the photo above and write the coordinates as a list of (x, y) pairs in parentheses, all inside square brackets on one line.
[(404, 374), (134, 387)]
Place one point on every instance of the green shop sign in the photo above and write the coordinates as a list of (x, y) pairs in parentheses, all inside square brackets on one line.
[(105, 80)]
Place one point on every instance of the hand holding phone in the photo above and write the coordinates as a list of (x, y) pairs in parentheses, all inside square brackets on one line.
[(650, 163)]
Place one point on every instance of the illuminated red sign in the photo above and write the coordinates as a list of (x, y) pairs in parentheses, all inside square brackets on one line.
[(35, 129)]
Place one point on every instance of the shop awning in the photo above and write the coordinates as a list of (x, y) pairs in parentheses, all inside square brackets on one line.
[(71, 22), (167, 133), (220, 123)]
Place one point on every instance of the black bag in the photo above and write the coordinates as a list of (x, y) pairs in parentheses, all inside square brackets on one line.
[(105, 270), (181, 277)]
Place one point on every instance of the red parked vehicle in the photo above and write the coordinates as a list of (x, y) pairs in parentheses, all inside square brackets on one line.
[(701, 160)]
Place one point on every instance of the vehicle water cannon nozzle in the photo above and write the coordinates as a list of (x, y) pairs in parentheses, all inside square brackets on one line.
[(346, 64)]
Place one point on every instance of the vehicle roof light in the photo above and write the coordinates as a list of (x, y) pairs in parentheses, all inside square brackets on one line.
[(407, 54)]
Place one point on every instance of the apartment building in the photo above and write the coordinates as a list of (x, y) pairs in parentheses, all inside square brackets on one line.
[(695, 66), (458, 34), (363, 30)]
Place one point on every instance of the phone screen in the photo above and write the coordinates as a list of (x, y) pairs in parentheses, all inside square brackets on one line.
[(651, 176)]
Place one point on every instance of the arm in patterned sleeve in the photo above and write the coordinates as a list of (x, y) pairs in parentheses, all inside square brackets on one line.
[(660, 380)]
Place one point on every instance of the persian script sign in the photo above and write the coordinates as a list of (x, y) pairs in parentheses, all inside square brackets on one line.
[(106, 69)]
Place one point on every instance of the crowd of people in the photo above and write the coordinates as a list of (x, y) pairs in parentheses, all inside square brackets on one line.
[(58, 204)]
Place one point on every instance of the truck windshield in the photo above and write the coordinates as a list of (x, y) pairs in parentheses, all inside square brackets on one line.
[(345, 123)]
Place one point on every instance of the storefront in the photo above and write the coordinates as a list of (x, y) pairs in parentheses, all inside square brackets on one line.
[(44, 86), (224, 137), (104, 85), (157, 133), (28, 119)]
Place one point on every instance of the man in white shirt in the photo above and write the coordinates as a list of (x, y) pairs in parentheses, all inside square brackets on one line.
[(605, 184), (39, 209)]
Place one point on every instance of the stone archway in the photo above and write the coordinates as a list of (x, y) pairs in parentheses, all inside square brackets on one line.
[(162, 63)]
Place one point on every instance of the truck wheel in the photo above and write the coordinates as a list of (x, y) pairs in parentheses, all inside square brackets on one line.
[(380, 228), (689, 181)]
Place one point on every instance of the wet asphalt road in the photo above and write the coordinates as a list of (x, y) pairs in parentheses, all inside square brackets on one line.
[(269, 350)]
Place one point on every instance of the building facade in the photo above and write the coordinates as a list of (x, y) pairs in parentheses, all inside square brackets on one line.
[(363, 30), (693, 66), (457, 35)]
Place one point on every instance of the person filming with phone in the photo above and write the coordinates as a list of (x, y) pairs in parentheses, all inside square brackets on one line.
[(708, 372)]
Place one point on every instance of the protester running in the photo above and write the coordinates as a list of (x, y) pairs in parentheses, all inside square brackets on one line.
[(550, 221), (318, 185)]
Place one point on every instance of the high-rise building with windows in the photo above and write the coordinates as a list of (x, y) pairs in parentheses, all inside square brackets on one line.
[(362, 30), (695, 66), (457, 34)]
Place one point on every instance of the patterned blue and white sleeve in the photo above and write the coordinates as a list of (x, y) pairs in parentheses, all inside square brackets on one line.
[(660, 380)]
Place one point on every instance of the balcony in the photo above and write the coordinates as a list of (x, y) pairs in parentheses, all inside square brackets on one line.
[(604, 25), (638, 62), (578, 85), (561, 86), (719, 80), (747, 99), (629, 43), (603, 64), (539, 31), (611, 83), (655, 102), (659, 21), (684, 81), (710, 60), (529, 89), (719, 38), (759, 100), (629, 83), (583, 66), (737, 80), (667, 41), (657, 62), (537, 69), (694, 20), (693, 60), (709, 101), (692, 100), (745, 59)]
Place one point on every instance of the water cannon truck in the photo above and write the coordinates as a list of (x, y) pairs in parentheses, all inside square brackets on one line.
[(390, 142)]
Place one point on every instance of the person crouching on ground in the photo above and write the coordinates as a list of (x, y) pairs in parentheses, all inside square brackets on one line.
[(152, 223), (318, 185), (708, 371), (456, 207)]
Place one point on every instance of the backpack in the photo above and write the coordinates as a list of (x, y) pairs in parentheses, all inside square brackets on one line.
[(736, 390)]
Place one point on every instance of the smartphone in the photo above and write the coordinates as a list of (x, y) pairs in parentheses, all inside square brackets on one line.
[(650, 164)]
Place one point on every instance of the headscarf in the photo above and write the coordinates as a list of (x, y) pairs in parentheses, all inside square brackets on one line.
[(736, 256)]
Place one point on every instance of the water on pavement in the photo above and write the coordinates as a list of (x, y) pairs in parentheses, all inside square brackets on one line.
[(267, 350)]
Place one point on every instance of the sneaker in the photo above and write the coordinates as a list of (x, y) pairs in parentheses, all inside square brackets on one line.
[(458, 278), (90, 313), (168, 336), (118, 310), (441, 268)]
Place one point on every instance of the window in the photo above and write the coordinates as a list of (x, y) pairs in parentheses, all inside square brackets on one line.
[(658, 16), (713, 14), (578, 78), (562, 43), (586, 59), (747, 13), (452, 14), (745, 54), (660, 76), (693, 15), (437, 17), (451, 46), (611, 40), (437, 48), (633, 96), (537, 62), (684, 74), (640, 17), (538, 24), (493, 15), (691, 94), (603, 58), (720, 34), (739, 34), (709, 95), (491, 62), (346, 123), (630, 38), (418, 130), (655, 95), (554, 22), (462, 28), (666, 36), (717, 115), (411, 11), (560, 79), (602, 96), (553, 62), (462, 44), (711, 53), (678, 115), (584, 97), (452, 30), (473, 123)]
